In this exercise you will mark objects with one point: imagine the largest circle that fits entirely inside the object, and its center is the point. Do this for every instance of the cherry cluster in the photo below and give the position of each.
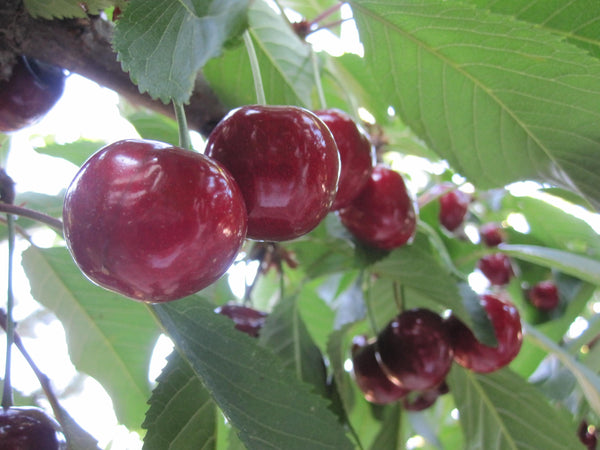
(497, 267)
(410, 358)
(156, 223)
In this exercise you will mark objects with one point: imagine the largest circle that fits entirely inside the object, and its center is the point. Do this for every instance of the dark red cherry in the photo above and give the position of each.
(383, 214)
(286, 162)
(544, 295)
(153, 222)
(414, 350)
(29, 428)
(418, 401)
(371, 380)
(31, 91)
(357, 154)
(246, 319)
(492, 234)
(472, 354)
(497, 268)
(587, 435)
(453, 208)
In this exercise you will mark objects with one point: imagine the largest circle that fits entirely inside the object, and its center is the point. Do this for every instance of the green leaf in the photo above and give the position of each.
(574, 20)
(163, 44)
(182, 414)
(414, 267)
(390, 434)
(586, 269)
(60, 9)
(553, 227)
(285, 333)
(502, 411)
(154, 126)
(269, 406)
(501, 100)
(110, 338)
(587, 379)
(76, 152)
(284, 62)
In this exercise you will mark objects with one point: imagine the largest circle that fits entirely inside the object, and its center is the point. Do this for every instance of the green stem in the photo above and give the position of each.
(318, 84)
(184, 132)
(7, 399)
(255, 67)
(399, 296)
(367, 297)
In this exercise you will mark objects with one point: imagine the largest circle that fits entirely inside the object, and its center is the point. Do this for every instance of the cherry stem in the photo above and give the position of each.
(255, 67)
(7, 397)
(329, 11)
(399, 296)
(184, 132)
(31, 214)
(367, 298)
(316, 73)
(42, 378)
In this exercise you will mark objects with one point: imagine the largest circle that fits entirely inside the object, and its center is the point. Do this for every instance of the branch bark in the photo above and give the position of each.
(83, 46)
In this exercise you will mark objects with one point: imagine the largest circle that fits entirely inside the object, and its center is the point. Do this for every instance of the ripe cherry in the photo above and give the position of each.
(544, 295)
(31, 91)
(453, 207)
(418, 401)
(286, 162)
(153, 222)
(492, 234)
(357, 154)
(246, 319)
(383, 214)
(29, 428)
(370, 378)
(497, 268)
(472, 354)
(414, 350)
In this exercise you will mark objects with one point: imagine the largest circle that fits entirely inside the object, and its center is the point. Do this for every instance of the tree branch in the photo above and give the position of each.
(83, 46)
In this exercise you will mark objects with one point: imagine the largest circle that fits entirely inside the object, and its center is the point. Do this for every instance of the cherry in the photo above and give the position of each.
(246, 319)
(153, 222)
(370, 378)
(357, 154)
(286, 162)
(472, 354)
(497, 268)
(587, 435)
(383, 214)
(453, 207)
(425, 399)
(544, 295)
(29, 428)
(31, 91)
(414, 350)
(492, 234)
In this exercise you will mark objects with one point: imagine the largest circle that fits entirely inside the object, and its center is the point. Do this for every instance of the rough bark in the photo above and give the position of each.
(83, 46)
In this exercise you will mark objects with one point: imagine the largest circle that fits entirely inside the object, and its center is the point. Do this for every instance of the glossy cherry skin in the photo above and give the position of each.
(370, 378)
(472, 354)
(29, 428)
(153, 222)
(286, 162)
(492, 234)
(246, 319)
(383, 214)
(357, 154)
(544, 295)
(414, 350)
(497, 268)
(31, 91)
(453, 209)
